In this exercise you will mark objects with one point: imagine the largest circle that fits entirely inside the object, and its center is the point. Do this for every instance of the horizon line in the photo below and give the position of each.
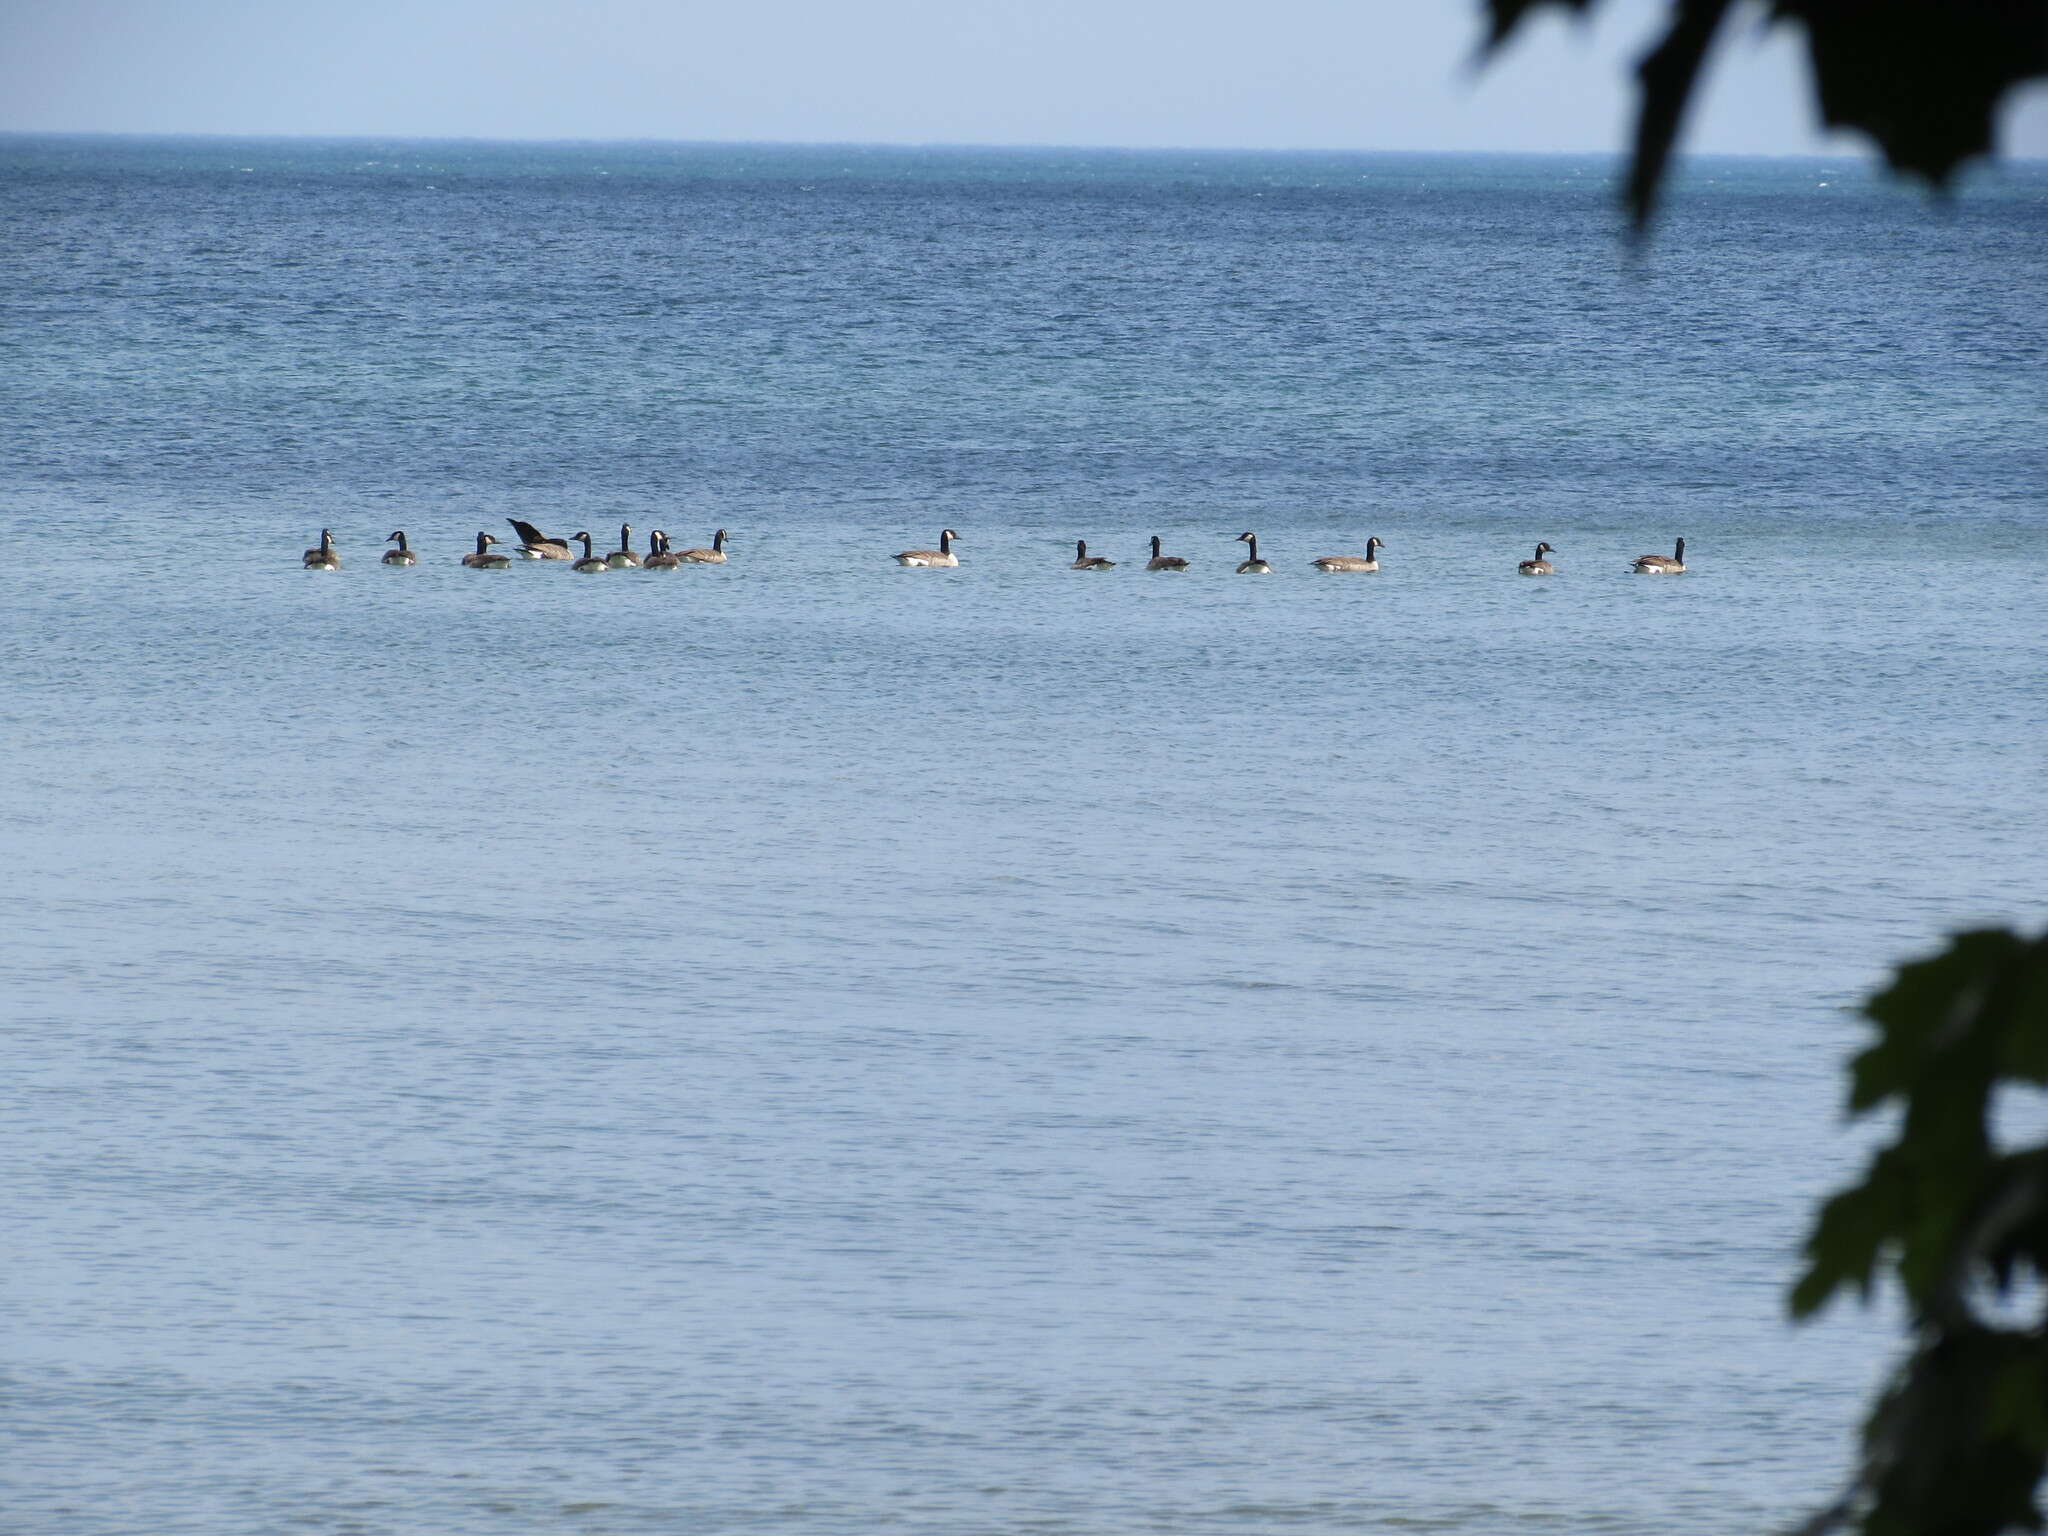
(1865, 153)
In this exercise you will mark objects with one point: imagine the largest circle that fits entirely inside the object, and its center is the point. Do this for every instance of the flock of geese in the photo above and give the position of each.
(535, 545)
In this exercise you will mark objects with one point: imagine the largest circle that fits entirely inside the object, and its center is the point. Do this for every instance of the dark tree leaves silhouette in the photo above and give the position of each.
(1924, 78)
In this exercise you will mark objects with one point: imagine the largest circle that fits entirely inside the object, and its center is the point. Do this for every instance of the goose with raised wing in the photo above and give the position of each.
(535, 545)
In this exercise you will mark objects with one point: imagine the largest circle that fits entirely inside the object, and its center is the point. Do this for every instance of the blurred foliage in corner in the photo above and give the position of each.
(1957, 1441)
(1922, 77)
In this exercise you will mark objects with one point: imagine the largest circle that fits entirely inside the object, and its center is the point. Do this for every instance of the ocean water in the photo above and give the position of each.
(807, 1046)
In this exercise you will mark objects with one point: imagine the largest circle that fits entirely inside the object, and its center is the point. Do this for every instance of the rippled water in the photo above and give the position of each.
(814, 1047)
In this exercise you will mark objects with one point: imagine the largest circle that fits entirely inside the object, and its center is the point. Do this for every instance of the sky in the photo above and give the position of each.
(1324, 74)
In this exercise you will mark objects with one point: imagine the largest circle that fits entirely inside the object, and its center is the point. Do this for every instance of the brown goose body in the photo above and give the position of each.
(484, 558)
(324, 557)
(535, 545)
(1539, 566)
(1672, 564)
(943, 555)
(402, 555)
(1369, 561)
(715, 555)
(1160, 562)
(659, 556)
(1083, 561)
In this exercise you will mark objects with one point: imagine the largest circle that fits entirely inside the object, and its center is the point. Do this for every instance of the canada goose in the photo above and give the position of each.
(589, 562)
(715, 555)
(402, 555)
(623, 558)
(1539, 566)
(1672, 564)
(484, 559)
(1253, 565)
(535, 545)
(1369, 561)
(1083, 561)
(659, 556)
(1160, 562)
(943, 555)
(326, 557)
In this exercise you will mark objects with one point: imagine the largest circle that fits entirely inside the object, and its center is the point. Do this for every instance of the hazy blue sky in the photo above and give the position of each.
(1367, 74)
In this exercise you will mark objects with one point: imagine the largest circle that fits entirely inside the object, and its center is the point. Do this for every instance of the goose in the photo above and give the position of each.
(1369, 561)
(943, 555)
(1253, 565)
(659, 556)
(535, 545)
(589, 562)
(1083, 561)
(326, 557)
(1160, 562)
(484, 559)
(715, 555)
(1539, 566)
(1672, 564)
(402, 555)
(623, 558)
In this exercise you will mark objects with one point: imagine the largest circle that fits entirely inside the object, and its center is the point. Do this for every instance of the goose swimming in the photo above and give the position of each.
(1083, 561)
(1160, 562)
(1369, 561)
(485, 558)
(715, 555)
(623, 558)
(943, 555)
(659, 556)
(1672, 564)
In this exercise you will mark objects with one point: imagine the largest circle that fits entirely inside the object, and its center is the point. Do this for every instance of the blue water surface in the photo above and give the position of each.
(807, 1046)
